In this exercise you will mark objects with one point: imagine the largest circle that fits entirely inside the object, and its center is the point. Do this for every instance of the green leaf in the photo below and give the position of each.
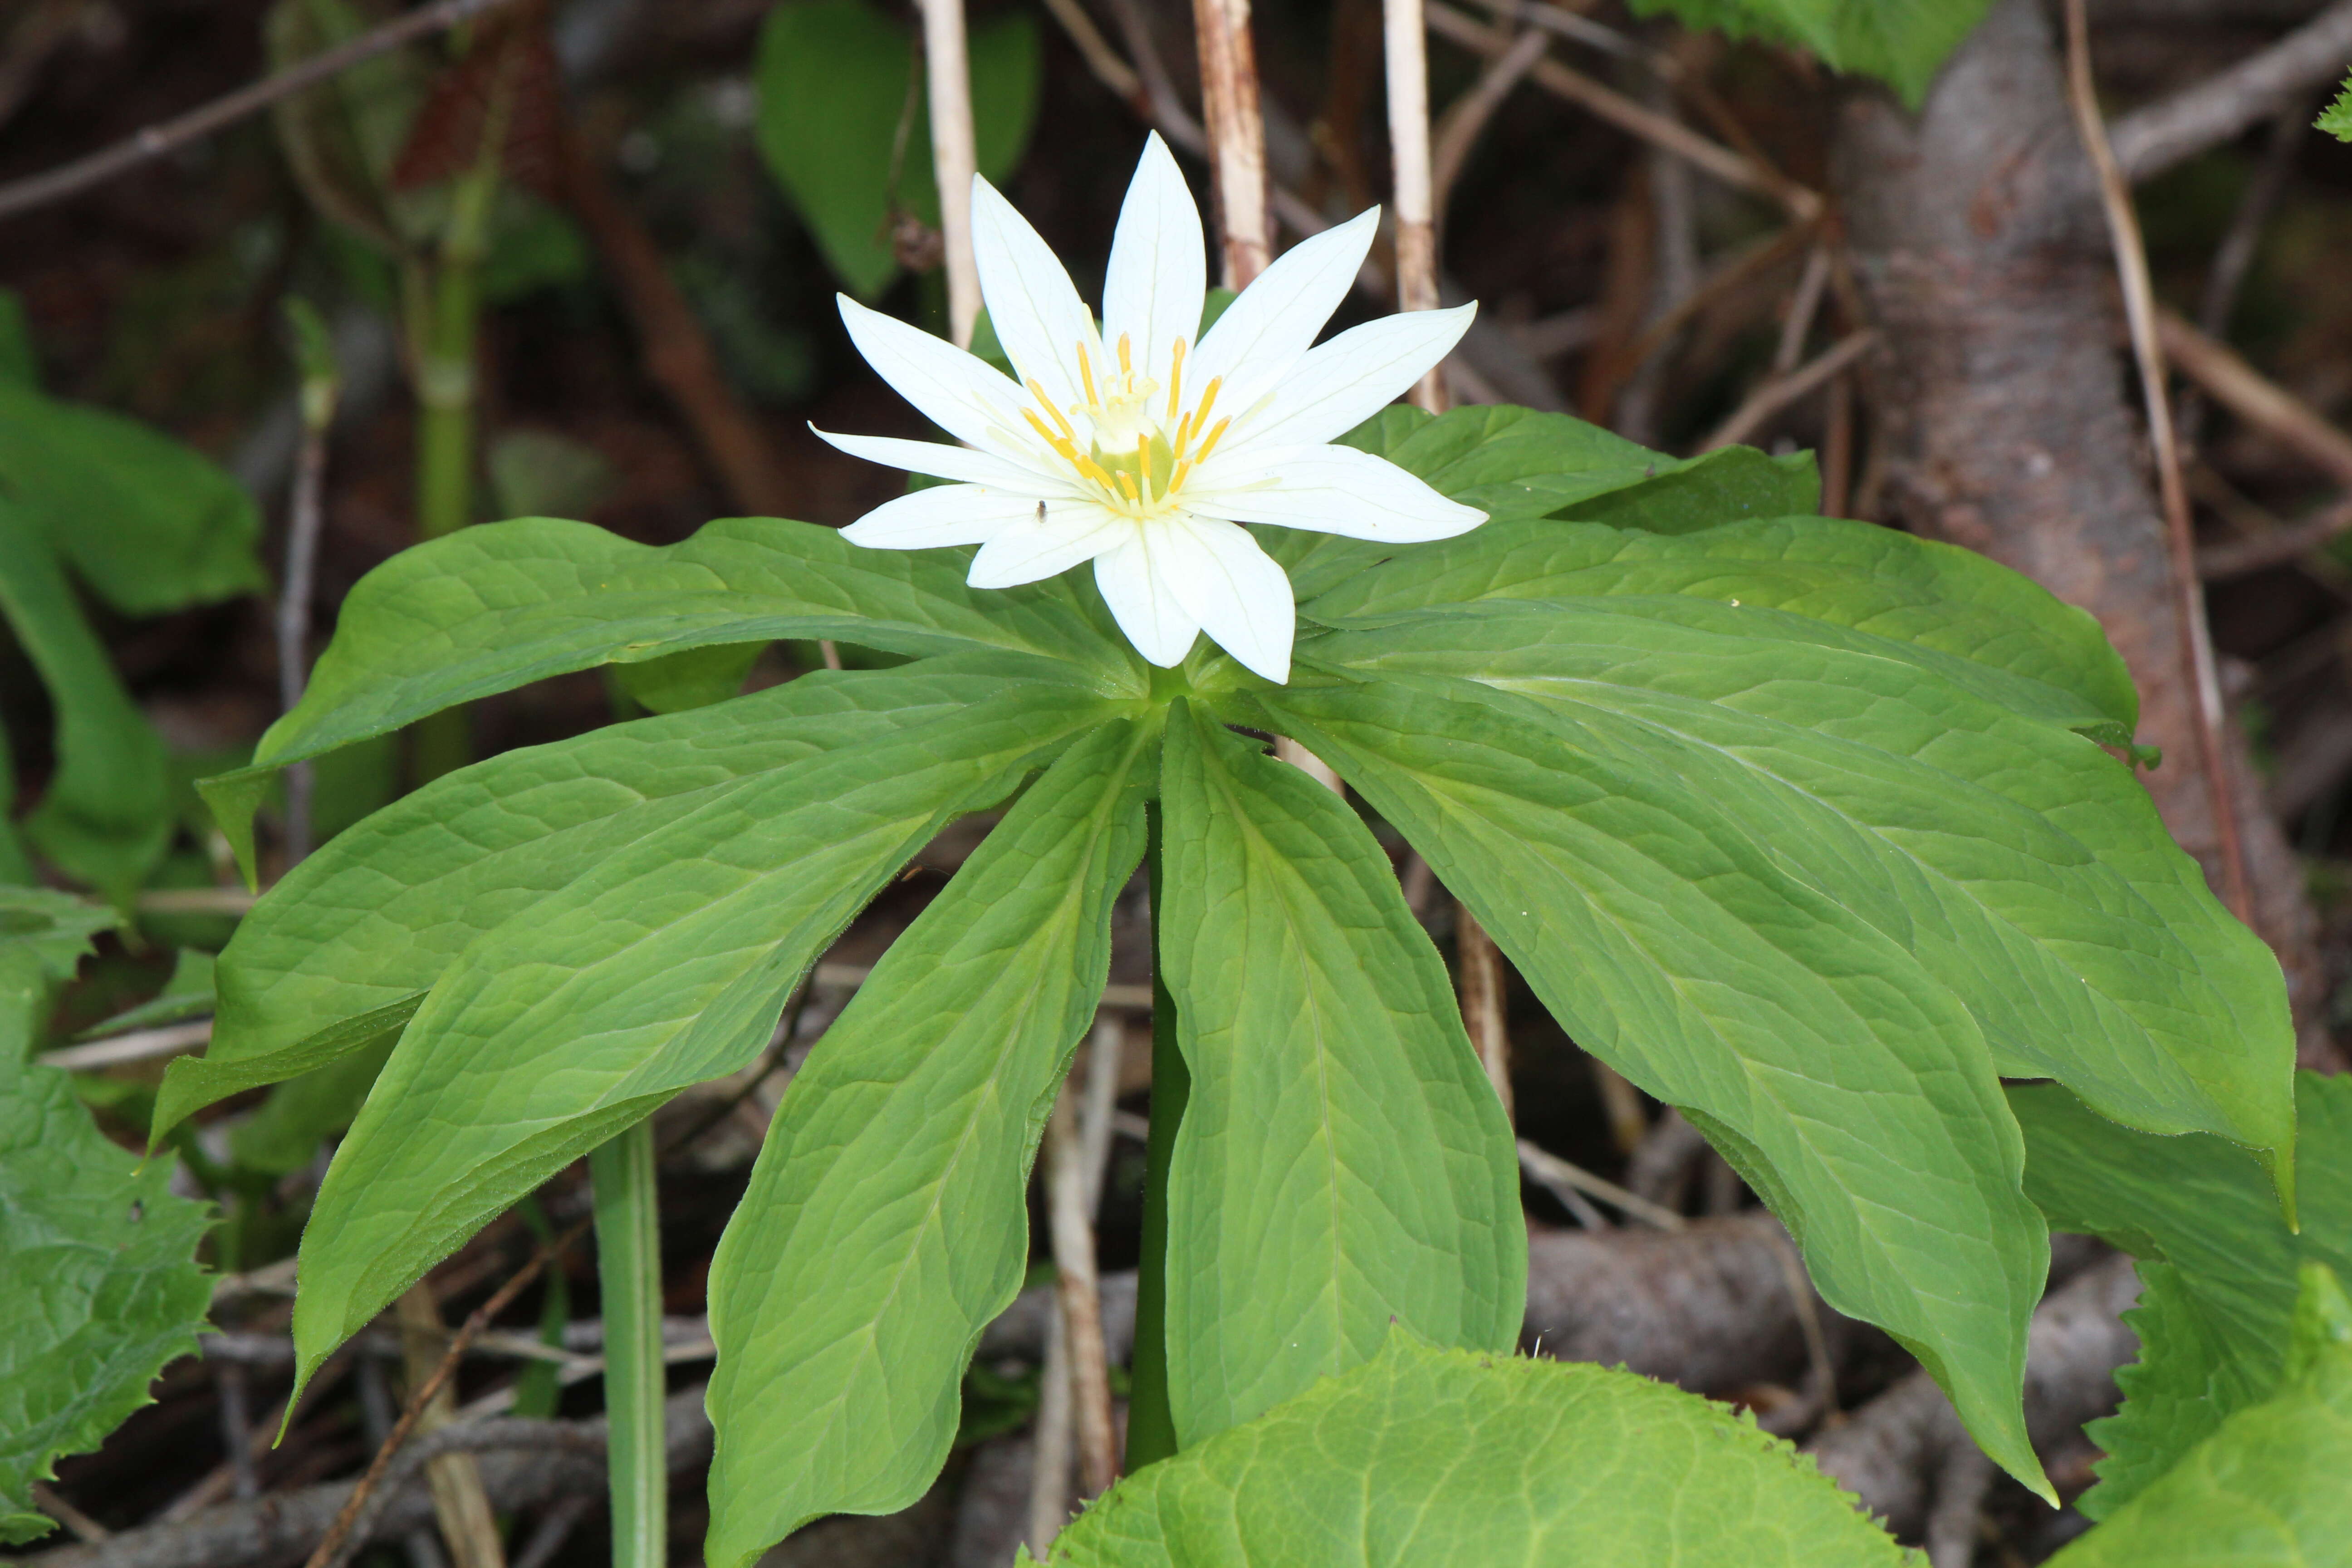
(1447, 1459)
(1902, 42)
(695, 678)
(284, 1135)
(149, 525)
(491, 607)
(1343, 1164)
(835, 78)
(107, 816)
(2336, 118)
(55, 928)
(886, 1223)
(98, 1256)
(2026, 873)
(661, 964)
(1731, 484)
(187, 994)
(2268, 1485)
(1974, 620)
(1853, 1091)
(2217, 1259)
(373, 917)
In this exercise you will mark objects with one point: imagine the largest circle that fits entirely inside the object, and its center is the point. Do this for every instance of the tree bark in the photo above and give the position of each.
(1976, 236)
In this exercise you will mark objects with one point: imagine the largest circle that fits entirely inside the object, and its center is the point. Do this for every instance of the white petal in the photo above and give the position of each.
(942, 514)
(1035, 547)
(1330, 490)
(960, 392)
(1236, 591)
(1265, 331)
(1036, 310)
(1158, 269)
(1342, 383)
(942, 461)
(1140, 602)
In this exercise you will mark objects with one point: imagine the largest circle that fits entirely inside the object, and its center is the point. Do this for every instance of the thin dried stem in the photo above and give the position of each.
(954, 156)
(1458, 130)
(1236, 127)
(459, 1502)
(154, 142)
(1783, 390)
(2254, 397)
(1803, 308)
(1405, 34)
(1483, 999)
(332, 1551)
(2140, 310)
(1080, 1293)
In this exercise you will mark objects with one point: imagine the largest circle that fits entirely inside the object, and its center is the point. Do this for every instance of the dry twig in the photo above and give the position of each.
(2139, 310)
(1236, 130)
(2149, 140)
(955, 156)
(154, 141)
(1466, 117)
(2254, 397)
(1783, 390)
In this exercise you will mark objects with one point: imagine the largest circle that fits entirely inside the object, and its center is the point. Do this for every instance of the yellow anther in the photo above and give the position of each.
(1046, 402)
(1094, 470)
(1210, 445)
(1208, 401)
(1126, 360)
(1127, 485)
(1068, 449)
(1086, 374)
(1176, 378)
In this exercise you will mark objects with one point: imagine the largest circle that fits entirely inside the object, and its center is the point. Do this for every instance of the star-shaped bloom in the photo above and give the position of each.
(1135, 448)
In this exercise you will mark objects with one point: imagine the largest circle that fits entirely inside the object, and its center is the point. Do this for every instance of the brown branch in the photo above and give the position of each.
(2245, 557)
(332, 1549)
(2140, 310)
(1229, 103)
(2149, 140)
(155, 141)
(2254, 397)
(1482, 1000)
(1783, 390)
(1457, 131)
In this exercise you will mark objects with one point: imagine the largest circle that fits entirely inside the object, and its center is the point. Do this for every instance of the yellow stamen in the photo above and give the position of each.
(1210, 445)
(1066, 447)
(1208, 401)
(1093, 471)
(1176, 379)
(1127, 485)
(1126, 360)
(1046, 402)
(1086, 374)
(1143, 462)
(1183, 434)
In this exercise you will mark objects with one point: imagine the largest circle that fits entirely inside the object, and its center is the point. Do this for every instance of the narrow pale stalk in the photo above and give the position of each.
(2140, 310)
(628, 1277)
(1080, 1293)
(1482, 1000)
(1416, 220)
(1236, 127)
(304, 522)
(460, 1503)
(1150, 1423)
(954, 158)
(1049, 1441)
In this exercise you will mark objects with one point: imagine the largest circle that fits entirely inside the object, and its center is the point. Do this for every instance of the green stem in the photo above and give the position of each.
(1150, 1423)
(628, 1274)
(446, 406)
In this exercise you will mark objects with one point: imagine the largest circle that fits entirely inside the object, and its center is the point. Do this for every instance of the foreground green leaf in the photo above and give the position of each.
(885, 1224)
(98, 1255)
(1430, 1458)
(1343, 1164)
(2024, 871)
(2216, 1260)
(2268, 1487)
(1853, 1091)
(489, 608)
(368, 924)
(1902, 42)
(662, 964)
(1971, 619)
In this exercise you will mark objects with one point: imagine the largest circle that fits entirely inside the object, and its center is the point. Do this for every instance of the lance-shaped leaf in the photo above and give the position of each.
(663, 964)
(106, 814)
(373, 919)
(99, 1283)
(1935, 598)
(886, 1223)
(2267, 1489)
(2217, 1261)
(491, 607)
(2017, 862)
(1428, 1458)
(1852, 1090)
(1343, 1164)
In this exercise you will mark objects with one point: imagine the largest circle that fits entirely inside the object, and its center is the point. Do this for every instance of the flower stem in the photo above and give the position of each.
(1151, 1422)
(628, 1274)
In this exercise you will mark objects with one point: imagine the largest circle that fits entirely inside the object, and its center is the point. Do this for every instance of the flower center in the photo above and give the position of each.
(1140, 448)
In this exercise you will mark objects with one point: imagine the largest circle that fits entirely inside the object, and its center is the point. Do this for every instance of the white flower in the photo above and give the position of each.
(1147, 454)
